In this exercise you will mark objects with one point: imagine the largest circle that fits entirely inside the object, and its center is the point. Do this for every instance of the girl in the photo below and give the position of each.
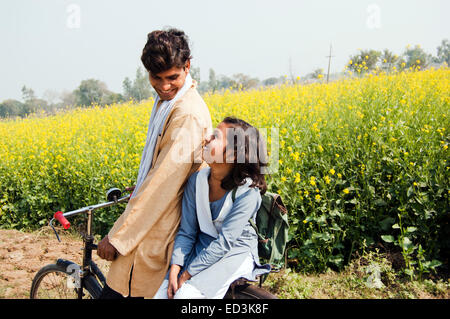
(216, 244)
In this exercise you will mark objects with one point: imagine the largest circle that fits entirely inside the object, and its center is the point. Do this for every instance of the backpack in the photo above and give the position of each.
(271, 227)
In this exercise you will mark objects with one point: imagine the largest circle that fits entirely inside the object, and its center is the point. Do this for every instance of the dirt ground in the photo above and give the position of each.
(23, 254)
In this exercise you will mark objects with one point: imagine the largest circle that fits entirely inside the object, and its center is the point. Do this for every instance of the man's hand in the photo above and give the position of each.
(105, 250)
(173, 280)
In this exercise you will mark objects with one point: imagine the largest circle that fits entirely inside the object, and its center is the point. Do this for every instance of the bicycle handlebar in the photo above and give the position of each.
(60, 217)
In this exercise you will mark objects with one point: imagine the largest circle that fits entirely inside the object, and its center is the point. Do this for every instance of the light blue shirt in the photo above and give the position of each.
(197, 251)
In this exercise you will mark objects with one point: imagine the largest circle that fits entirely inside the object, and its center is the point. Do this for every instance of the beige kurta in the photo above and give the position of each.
(145, 232)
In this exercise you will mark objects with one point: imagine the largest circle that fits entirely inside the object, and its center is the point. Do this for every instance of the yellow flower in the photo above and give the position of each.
(332, 171)
(312, 181)
(283, 179)
(317, 197)
(320, 148)
(346, 191)
(327, 179)
(339, 175)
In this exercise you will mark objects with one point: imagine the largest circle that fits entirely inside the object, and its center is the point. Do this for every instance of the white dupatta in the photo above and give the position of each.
(155, 127)
(207, 225)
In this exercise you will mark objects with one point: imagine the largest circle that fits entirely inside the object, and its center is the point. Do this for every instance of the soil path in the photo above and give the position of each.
(23, 254)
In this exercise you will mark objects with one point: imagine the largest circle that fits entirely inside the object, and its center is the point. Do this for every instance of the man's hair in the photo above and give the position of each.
(254, 153)
(165, 49)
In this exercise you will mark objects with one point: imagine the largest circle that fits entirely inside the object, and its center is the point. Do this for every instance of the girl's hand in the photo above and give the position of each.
(173, 281)
(184, 277)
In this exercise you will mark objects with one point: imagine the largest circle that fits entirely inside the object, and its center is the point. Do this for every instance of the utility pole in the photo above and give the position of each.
(290, 71)
(329, 62)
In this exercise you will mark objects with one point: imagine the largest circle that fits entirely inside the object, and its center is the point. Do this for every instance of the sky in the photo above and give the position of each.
(52, 45)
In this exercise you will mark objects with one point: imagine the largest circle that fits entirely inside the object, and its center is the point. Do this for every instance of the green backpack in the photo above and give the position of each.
(271, 227)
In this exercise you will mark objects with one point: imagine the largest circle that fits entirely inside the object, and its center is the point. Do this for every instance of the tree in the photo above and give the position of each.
(68, 98)
(224, 82)
(138, 90)
(317, 74)
(443, 52)
(111, 98)
(127, 86)
(142, 86)
(272, 81)
(31, 102)
(244, 82)
(27, 94)
(365, 61)
(416, 57)
(195, 74)
(213, 84)
(89, 92)
(10, 108)
(388, 60)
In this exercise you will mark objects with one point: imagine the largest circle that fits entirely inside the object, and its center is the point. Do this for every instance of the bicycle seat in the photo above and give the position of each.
(241, 289)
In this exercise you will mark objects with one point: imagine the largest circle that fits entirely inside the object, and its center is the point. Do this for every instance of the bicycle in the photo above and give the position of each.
(68, 280)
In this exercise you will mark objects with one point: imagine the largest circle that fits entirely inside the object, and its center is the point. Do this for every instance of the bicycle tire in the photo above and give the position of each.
(61, 291)
(248, 291)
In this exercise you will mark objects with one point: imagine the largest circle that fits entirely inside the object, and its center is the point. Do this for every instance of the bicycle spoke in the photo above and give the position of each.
(54, 285)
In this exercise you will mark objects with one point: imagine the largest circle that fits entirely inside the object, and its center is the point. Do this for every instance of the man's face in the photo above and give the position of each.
(167, 83)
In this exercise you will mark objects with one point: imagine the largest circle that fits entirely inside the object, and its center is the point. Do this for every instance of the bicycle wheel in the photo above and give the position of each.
(55, 282)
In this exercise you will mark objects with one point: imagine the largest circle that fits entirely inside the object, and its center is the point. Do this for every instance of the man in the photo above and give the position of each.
(141, 241)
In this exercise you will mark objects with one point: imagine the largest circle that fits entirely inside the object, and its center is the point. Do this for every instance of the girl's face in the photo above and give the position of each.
(215, 145)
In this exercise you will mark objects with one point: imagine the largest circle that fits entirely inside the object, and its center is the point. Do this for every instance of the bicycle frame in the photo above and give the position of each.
(89, 275)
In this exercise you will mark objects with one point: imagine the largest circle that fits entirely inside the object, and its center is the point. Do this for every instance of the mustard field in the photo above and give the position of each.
(362, 162)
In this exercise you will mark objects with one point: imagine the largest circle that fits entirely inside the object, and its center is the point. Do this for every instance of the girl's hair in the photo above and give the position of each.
(165, 49)
(249, 158)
